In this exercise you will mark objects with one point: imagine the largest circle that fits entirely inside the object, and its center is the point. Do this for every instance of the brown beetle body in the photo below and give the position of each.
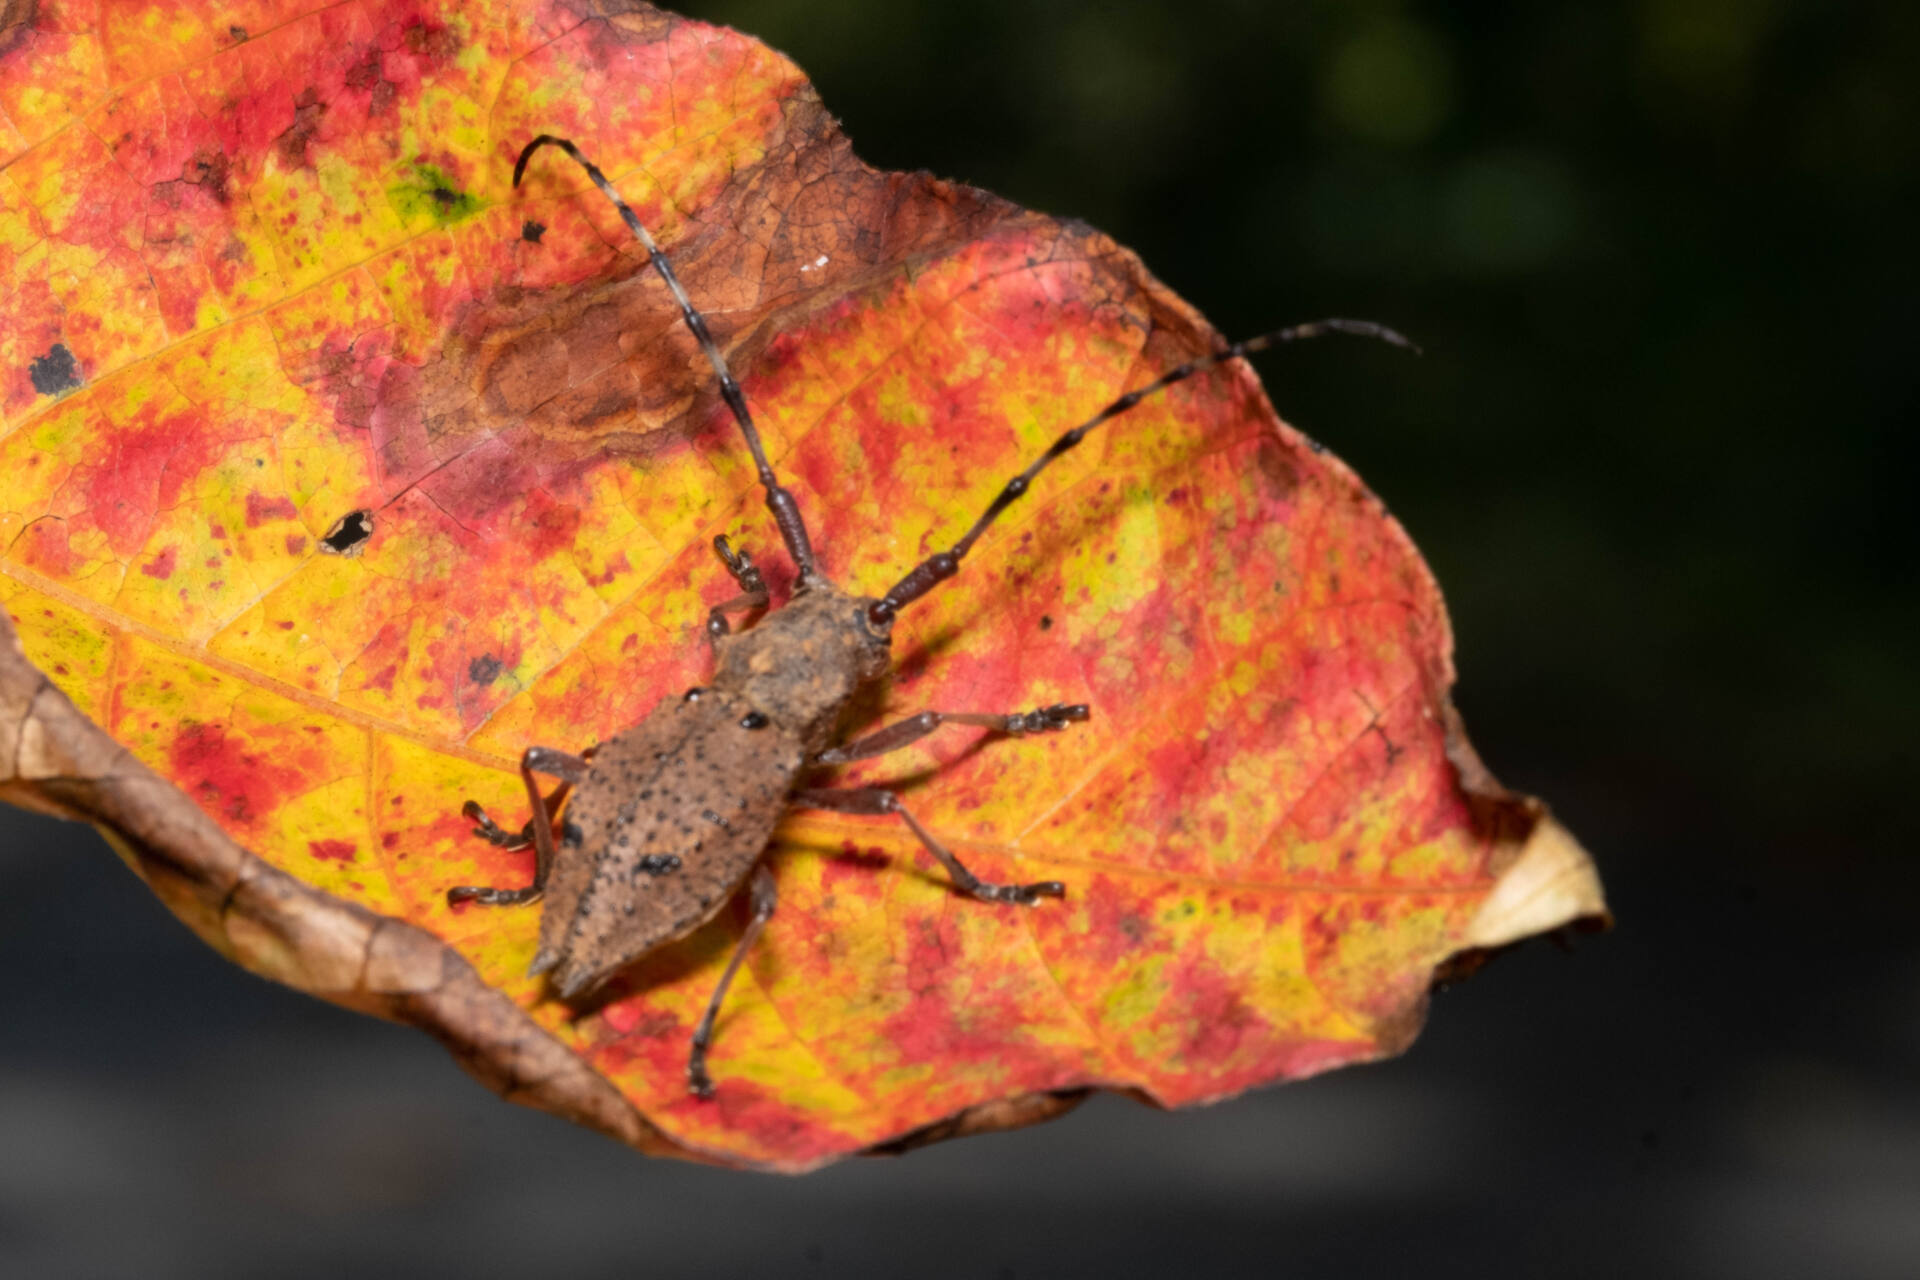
(670, 817)
(673, 814)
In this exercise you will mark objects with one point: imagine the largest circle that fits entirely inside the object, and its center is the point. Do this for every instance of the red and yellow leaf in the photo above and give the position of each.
(263, 275)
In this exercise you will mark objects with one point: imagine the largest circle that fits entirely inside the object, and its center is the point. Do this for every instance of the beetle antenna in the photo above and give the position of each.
(941, 565)
(786, 512)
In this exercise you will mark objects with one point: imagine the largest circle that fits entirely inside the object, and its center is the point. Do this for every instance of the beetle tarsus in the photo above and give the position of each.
(489, 897)
(492, 832)
(699, 1083)
(1024, 894)
(1049, 719)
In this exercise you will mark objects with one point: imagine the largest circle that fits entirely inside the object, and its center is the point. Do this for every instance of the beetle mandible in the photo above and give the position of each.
(665, 820)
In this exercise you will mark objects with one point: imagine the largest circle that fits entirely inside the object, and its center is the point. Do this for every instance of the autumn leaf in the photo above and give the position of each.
(337, 472)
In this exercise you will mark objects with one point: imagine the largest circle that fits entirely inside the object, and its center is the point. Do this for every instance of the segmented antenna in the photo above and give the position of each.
(941, 565)
(786, 512)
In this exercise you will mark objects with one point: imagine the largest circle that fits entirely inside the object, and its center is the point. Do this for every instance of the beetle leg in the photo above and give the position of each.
(571, 770)
(765, 896)
(913, 728)
(753, 587)
(493, 833)
(879, 800)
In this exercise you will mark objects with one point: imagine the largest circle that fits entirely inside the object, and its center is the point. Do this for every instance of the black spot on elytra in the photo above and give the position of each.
(484, 670)
(531, 231)
(659, 864)
(54, 372)
(571, 835)
(349, 533)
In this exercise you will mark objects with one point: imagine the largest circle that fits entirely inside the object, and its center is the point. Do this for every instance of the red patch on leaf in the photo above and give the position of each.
(261, 509)
(332, 850)
(238, 785)
(162, 565)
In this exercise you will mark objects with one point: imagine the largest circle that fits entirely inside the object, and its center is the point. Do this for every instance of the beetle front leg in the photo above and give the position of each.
(571, 770)
(765, 897)
(877, 800)
(753, 588)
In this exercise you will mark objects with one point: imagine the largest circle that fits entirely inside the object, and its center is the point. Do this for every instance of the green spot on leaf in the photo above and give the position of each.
(429, 194)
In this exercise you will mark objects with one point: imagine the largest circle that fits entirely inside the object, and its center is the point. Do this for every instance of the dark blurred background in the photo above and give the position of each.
(1661, 257)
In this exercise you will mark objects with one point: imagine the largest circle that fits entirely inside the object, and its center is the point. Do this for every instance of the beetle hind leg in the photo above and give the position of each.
(765, 897)
(878, 800)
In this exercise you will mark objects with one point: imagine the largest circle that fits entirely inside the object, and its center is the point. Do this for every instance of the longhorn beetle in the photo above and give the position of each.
(667, 818)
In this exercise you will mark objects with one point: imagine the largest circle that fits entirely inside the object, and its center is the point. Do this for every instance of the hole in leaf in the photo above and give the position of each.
(349, 534)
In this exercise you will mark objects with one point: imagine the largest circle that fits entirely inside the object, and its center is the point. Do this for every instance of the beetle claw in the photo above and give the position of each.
(699, 1083)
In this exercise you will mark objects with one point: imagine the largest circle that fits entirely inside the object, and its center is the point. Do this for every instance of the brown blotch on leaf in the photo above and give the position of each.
(16, 23)
(607, 369)
(1277, 465)
(292, 144)
(365, 73)
(209, 170)
(432, 39)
